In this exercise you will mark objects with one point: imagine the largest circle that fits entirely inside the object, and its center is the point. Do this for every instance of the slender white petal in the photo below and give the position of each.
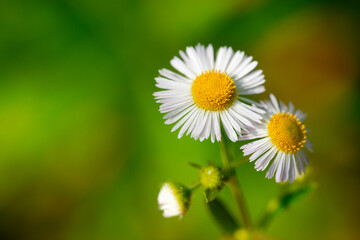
(274, 103)
(240, 68)
(260, 151)
(220, 58)
(235, 61)
(228, 128)
(293, 169)
(291, 108)
(179, 115)
(308, 145)
(273, 167)
(181, 67)
(280, 168)
(207, 128)
(210, 55)
(264, 160)
(173, 76)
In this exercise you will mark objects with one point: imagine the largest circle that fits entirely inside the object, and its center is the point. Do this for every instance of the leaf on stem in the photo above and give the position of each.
(222, 216)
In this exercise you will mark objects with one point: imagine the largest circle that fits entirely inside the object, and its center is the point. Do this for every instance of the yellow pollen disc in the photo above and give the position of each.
(214, 91)
(286, 132)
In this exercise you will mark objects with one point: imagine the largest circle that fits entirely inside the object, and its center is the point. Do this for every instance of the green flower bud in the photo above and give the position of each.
(211, 177)
(174, 199)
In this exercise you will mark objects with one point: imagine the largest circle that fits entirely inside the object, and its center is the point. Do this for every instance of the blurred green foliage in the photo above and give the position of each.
(83, 148)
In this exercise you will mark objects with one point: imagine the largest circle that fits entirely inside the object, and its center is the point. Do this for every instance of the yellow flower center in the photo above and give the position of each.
(286, 132)
(214, 91)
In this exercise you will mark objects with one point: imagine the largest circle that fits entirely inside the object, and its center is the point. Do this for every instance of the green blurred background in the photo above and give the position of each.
(83, 148)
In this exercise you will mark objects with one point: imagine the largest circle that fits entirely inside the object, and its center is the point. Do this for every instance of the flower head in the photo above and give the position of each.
(206, 92)
(174, 199)
(282, 137)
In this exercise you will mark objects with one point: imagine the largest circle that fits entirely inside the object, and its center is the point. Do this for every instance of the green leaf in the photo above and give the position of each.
(222, 216)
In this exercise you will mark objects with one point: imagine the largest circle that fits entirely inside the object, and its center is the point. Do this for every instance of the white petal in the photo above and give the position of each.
(281, 166)
(186, 117)
(286, 169)
(189, 123)
(274, 102)
(308, 145)
(293, 169)
(210, 55)
(238, 70)
(246, 70)
(265, 159)
(220, 57)
(216, 126)
(237, 111)
(255, 145)
(200, 124)
(256, 90)
(165, 83)
(304, 157)
(260, 151)
(300, 115)
(291, 108)
(233, 122)
(299, 163)
(178, 115)
(273, 167)
(235, 61)
(201, 52)
(226, 59)
(173, 76)
(195, 60)
(207, 128)
(228, 128)
(182, 67)
(283, 107)
(166, 107)
(172, 94)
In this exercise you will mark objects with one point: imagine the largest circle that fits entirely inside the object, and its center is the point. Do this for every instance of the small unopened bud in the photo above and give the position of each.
(174, 199)
(211, 177)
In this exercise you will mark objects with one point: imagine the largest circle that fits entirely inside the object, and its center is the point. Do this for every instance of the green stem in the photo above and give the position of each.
(236, 189)
(233, 182)
(194, 188)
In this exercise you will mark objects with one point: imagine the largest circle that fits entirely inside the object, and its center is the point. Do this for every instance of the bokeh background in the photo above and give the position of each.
(83, 148)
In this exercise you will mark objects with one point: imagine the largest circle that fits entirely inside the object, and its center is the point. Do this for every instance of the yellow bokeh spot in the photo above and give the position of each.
(214, 91)
(286, 132)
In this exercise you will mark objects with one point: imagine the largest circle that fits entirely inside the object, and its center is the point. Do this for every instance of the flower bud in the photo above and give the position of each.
(211, 177)
(174, 199)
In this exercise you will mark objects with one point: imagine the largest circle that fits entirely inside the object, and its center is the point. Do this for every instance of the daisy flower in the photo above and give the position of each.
(205, 92)
(174, 199)
(282, 137)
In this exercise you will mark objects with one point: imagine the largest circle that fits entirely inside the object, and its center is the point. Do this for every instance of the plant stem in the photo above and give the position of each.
(194, 188)
(233, 183)
(236, 189)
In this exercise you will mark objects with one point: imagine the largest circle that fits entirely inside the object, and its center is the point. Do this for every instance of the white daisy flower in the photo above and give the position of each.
(206, 92)
(174, 199)
(281, 137)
